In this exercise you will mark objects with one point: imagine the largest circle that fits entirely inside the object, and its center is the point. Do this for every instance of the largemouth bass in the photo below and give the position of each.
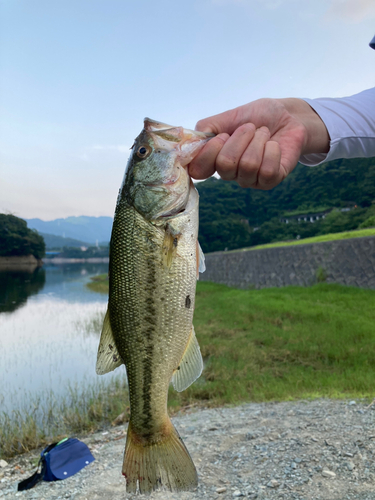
(154, 262)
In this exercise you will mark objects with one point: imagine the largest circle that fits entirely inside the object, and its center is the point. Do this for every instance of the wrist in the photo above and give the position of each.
(316, 136)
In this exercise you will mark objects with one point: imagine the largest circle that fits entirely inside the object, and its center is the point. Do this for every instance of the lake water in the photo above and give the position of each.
(49, 332)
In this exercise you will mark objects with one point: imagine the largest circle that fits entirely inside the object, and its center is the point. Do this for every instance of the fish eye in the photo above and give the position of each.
(143, 151)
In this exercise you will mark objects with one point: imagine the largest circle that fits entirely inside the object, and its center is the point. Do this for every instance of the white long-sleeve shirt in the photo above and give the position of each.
(350, 122)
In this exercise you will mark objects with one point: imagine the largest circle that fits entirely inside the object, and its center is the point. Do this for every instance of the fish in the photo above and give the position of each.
(155, 260)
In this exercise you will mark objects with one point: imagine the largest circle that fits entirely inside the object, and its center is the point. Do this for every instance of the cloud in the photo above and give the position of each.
(353, 11)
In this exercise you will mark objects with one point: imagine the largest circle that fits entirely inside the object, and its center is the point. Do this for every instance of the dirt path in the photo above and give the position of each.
(322, 450)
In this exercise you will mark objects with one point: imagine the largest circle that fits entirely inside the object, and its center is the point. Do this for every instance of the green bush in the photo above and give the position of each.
(370, 222)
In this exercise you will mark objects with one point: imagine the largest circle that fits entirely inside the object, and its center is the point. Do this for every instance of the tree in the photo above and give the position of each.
(17, 239)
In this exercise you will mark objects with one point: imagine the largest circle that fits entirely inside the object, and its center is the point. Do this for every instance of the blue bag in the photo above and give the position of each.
(59, 461)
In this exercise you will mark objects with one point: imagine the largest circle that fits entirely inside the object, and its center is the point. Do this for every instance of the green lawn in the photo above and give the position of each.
(359, 233)
(283, 343)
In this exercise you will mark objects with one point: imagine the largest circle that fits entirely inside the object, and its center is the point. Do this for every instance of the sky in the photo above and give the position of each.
(77, 77)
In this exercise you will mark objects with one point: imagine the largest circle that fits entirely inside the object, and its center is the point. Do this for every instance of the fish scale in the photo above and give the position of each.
(151, 332)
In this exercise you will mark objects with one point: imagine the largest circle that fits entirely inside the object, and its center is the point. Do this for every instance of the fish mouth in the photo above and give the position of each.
(176, 134)
(184, 141)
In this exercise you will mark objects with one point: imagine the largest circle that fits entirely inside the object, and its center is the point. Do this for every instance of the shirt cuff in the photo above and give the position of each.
(350, 122)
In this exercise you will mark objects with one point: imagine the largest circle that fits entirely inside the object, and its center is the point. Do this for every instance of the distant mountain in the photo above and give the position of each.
(84, 228)
(58, 242)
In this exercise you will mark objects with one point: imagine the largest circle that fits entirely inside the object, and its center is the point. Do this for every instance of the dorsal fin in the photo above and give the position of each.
(191, 365)
(108, 356)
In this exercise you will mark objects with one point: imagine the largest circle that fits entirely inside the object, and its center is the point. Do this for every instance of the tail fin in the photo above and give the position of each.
(164, 464)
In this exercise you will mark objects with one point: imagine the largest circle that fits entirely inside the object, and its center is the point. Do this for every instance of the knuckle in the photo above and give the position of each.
(201, 125)
(244, 183)
(226, 163)
(264, 131)
(268, 176)
(249, 165)
(218, 141)
(246, 128)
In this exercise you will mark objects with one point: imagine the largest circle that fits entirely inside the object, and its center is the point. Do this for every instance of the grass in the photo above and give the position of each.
(273, 344)
(98, 283)
(282, 343)
(40, 423)
(359, 233)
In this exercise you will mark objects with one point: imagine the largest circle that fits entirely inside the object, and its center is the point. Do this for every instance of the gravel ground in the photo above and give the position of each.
(305, 450)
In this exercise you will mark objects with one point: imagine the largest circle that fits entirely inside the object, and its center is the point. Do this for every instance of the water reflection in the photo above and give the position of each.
(50, 343)
(17, 286)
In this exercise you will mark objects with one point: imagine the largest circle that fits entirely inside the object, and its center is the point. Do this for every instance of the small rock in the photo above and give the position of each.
(350, 466)
(328, 473)
(237, 494)
(352, 403)
(250, 435)
(221, 490)
(274, 483)
(3, 463)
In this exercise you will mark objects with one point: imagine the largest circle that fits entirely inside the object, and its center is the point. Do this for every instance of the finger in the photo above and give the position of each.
(252, 158)
(228, 159)
(203, 165)
(271, 173)
(224, 122)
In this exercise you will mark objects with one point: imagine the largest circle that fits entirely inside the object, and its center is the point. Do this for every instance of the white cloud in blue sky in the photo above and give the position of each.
(353, 11)
(77, 78)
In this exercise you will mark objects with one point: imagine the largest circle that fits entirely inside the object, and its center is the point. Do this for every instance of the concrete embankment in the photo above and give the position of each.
(347, 262)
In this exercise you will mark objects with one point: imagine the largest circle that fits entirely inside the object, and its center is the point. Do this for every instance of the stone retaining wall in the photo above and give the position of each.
(348, 262)
(19, 262)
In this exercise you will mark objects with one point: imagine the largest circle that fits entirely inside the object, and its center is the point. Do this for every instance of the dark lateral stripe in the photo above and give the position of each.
(149, 340)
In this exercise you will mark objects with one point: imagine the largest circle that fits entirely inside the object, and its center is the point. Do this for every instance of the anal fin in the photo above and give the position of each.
(191, 365)
(108, 358)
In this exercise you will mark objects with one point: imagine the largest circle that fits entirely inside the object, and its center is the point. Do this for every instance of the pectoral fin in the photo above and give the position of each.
(170, 244)
(191, 365)
(108, 356)
(201, 265)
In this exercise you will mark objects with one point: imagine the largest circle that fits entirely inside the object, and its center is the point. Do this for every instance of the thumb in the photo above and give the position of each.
(224, 122)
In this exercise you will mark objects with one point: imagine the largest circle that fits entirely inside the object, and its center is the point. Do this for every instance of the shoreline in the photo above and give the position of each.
(92, 260)
(20, 262)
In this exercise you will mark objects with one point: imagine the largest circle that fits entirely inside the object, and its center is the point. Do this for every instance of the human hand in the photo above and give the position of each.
(259, 144)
